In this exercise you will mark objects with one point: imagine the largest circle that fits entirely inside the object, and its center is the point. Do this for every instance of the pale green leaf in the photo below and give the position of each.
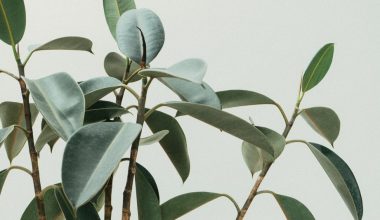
(65, 43)
(4, 133)
(154, 138)
(48, 135)
(12, 21)
(113, 9)
(116, 66)
(236, 98)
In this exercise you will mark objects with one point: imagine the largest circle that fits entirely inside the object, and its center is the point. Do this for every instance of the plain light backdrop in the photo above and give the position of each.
(259, 45)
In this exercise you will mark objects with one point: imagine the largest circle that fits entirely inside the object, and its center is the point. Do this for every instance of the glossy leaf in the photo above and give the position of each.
(236, 98)
(102, 111)
(13, 18)
(180, 205)
(113, 9)
(140, 35)
(191, 70)
(3, 177)
(225, 122)
(154, 138)
(12, 113)
(292, 208)
(91, 156)
(116, 65)
(174, 143)
(60, 101)
(324, 121)
(318, 67)
(96, 88)
(65, 43)
(5, 132)
(342, 178)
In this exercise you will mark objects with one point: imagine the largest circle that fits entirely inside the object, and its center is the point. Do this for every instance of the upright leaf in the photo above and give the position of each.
(12, 21)
(324, 121)
(113, 9)
(236, 98)
(140, 35)
(318, 67)
(12, 113)
(3, 177)
(174, 143)
(91, 155)
(342, 178)
(65, 43)
(116, 66)
(61, 102)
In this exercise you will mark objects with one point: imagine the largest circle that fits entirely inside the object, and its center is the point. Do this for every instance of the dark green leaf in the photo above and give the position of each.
(236, 98)
(324, 121)
(318, 67)
(12, 21)
(60, 101)
(3, 177)
(87, 212)
(140, 35)
(113, 9)
(12, 113)
(91, 156)
(47, 136)
(342, 178)
(116, 65)
(154, 138)
(102, 111)
(174, 143)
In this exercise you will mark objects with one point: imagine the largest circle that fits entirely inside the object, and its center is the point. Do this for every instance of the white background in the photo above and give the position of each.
(262, 46)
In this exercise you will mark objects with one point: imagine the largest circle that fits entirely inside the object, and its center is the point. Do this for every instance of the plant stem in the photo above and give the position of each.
(22, 169)
(267, 166)
(32, 150)
(126, 214)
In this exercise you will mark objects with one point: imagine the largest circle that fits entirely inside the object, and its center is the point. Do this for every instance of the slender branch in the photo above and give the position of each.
(22, 169)
(133, 156)
(131, 106)
(129, 89)
(148, 113)
(296, 141)
(282, 113)
(131, 76)
(9, 74)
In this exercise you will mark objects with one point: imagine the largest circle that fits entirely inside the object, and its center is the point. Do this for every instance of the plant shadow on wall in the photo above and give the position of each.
(97, 139)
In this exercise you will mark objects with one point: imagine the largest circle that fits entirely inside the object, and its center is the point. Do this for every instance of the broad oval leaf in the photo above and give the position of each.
(154, 138)
(102, 111)
(4, 133)
(190, 69)
(3, 177)
(140, 35)
(65, 43)
(113, 9)
(96, 88)
(91, 155)
(180, 205)
(60, 101)
(225, 122)
(12, 113)
(174, 143)
(236, 98)
(342, 178)
(12, 21)
(116, 66)
(318, 67)
(324, 121)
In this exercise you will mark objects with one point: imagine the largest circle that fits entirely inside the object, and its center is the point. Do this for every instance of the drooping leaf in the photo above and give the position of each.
(65, 43)
(292, 208)
(116, 65)
(342, 178)
(3, 177)
(154, 138)
(4, 133)
(48, 135)
(318, 67)
(52, 209)
(225, 122)
(324, 121)
(12, 21)
(140, 35)
(96, 88)
(174, 143)
(236, 98)
(60, 101)
(12, 113)
(113, 9)
(190, 69)
(102, 111)
(181, 205)
(255, 158)
(91, 155)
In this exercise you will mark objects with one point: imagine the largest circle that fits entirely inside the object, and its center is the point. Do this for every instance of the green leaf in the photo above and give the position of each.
(225, 122)
(4, 133)
(236, 98)
(140, 35)
(48, 135)
(192, 70)
(12, 113)
(255, 158)
(180, 205)
(318, 67)
(65, 43)
(324, 121)
(60, 101)
(174, 143)
(342, 178)
(113, 9)
(156, 137)
(102, 111)
(116, 65)
(292, 208)
(96, 88)
(148, 200)
(12, 21)
(87, 212)
(52, 209)
(91, 156)
(3, 177)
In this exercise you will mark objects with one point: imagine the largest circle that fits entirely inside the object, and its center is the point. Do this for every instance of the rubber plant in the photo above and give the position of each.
(97, 137)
